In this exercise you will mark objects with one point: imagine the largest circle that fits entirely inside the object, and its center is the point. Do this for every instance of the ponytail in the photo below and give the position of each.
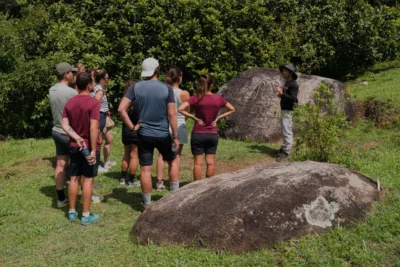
(205, 84)
(173, 76)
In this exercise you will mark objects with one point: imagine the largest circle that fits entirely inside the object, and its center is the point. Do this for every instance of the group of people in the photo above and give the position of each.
(154, 114)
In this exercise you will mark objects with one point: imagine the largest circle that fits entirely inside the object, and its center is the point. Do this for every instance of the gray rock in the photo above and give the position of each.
(257, 106)
(257, 207)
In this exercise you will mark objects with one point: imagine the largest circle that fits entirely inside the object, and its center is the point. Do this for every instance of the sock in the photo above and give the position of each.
(72, 211)
(174, 186)
(147, 199)
(86, 214)
(123, 174)
(61, 195)
(131, 177)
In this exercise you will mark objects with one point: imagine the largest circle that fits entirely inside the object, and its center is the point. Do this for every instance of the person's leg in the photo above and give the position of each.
(146, 151)
(198, 166)
(87, 191)
(73, 190)
(125, 163)
(133, 163)
(287, 133)
(107, 147)
(88, 172)
(210, 161)
(160, 168)
(59, 176)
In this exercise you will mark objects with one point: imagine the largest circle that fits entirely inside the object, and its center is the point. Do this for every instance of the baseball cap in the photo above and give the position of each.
(64, 67)
(149, 65)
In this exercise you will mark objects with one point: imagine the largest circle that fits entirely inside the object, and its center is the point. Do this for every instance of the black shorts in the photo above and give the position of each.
(80, 166)
(129, 137)
(146, 145)
(102, 122)
(61, 141)
(201, 143)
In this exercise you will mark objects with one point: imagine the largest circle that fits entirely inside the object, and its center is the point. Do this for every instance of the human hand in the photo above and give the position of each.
(279, 91)
(199, 121)
(214, 123)
(81, 143)
(137, 126)
(176, 143)
(92, 157)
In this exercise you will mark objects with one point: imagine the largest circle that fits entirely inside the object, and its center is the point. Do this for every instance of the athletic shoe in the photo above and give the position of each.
(62, 204)
(133, 183)
(122, 181)
(282, 157)
(109, 164)
(101, 170)
(160, 186)
(89, 220)
(95, 199)
(72, 216)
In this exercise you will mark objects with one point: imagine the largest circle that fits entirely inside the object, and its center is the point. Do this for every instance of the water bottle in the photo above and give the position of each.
(86, 153)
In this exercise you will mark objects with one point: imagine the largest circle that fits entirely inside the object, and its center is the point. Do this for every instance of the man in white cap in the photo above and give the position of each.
(156, 108)
(59, 94)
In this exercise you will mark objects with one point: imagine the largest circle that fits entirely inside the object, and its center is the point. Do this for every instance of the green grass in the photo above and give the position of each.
(33, 232)
(383, 83)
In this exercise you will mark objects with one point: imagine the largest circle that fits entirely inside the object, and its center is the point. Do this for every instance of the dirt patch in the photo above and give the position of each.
(373, 143)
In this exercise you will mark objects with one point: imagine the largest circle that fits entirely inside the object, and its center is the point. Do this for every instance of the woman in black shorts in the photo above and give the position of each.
(129, 139)
(204, 139)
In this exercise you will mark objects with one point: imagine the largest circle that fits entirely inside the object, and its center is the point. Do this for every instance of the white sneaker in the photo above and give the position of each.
(101, 170)
(109, 164)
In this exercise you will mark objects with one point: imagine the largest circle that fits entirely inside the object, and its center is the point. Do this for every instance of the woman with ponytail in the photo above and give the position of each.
(174, 79)
(204, 138)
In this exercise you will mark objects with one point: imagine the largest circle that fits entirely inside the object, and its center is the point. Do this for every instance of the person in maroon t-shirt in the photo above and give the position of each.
(204, 139)
(81, 122)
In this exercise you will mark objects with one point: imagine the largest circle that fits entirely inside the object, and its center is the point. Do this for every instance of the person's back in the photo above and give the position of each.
(59, 94)
(207, 110)
(152, 98)
(79, 110)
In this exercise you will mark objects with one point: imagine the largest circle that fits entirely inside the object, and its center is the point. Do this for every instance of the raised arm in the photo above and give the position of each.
(184, 109)
(294, 90)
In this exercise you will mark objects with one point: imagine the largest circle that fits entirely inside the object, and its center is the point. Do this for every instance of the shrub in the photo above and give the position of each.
(320, 126)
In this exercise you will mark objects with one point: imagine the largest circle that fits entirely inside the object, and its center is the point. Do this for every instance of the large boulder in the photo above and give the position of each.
(257, 106)
(257, 207)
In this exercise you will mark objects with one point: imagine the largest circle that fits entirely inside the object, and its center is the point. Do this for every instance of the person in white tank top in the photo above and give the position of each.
(174, 79)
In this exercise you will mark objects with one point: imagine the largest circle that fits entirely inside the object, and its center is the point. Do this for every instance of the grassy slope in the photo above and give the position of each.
(34, 232)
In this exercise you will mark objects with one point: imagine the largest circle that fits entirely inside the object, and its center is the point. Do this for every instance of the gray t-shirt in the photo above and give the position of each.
(104, 102)
(59, 95)
(152, 98)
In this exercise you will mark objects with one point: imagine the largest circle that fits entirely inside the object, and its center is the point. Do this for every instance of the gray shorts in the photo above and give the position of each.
(62, 143)
(182, 134)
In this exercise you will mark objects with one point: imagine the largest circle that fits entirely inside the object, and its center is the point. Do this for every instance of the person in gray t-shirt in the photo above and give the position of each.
(59, 94)
(156, 108)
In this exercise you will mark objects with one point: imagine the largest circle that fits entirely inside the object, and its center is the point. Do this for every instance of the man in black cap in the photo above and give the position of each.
(288, 96)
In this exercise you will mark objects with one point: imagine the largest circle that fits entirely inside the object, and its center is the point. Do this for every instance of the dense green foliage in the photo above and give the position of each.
(220, 37)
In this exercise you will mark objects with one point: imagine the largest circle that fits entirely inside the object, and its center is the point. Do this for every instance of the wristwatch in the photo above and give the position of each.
(175, 137)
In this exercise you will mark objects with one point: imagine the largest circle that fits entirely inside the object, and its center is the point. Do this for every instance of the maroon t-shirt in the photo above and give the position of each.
(80, 110)
(207, 110)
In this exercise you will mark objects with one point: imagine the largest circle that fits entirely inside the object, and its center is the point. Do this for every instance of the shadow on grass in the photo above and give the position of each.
(272, 152)
(132, 199)
(50, 192)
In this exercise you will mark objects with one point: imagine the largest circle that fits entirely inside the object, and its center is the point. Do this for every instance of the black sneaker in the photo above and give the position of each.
(282, 157)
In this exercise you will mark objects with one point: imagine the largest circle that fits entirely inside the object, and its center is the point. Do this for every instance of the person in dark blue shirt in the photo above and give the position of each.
(156, 108)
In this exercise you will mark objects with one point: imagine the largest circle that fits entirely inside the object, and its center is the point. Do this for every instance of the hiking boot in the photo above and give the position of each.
(133, 183)
(62, 204)
(145, 207)
(95, 199)
(282, 157)
(89, 220)
(101, 170)
(72, 216)
(109, 164)
(160, 186)
(122, 181)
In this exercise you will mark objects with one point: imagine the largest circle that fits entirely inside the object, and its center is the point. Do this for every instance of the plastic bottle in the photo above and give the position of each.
(86, 153)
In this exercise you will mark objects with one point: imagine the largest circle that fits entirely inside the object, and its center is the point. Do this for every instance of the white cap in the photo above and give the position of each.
(149, 65)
